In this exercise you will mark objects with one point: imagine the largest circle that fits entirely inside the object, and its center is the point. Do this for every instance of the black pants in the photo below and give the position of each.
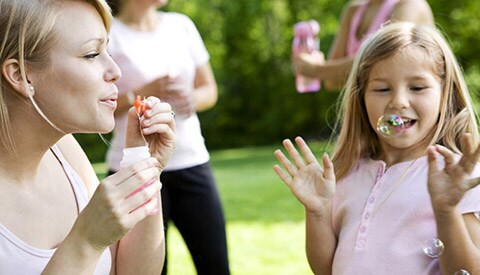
(190, 200)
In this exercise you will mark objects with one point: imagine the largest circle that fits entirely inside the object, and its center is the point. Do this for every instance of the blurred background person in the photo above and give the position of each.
(162, 54)
(358, 20)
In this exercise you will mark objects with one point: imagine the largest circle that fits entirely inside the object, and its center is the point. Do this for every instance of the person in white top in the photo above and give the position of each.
(57, 79)
(162, 54)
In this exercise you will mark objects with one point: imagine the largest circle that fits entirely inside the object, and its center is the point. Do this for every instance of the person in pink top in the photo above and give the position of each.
(403, 201)
(358, 20)
(58, 79)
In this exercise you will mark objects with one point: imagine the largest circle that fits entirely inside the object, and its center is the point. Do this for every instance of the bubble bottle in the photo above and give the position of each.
(306, 40)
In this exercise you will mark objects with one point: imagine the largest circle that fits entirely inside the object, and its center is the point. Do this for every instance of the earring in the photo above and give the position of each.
(31, 91)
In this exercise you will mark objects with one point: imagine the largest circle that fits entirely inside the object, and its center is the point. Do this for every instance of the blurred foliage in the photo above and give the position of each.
(250, 45)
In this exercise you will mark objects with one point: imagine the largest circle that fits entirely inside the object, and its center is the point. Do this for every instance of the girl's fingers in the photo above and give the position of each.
(307, 153)
(292, 151)
(470, 154)
(282, 175)
(328, 172)
(291, 169)
(472, 183)
(448, 156)
(432, 160)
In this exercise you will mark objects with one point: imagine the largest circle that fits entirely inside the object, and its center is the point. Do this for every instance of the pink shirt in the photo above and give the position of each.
(18, 257)
(378, 236)
(382, 16)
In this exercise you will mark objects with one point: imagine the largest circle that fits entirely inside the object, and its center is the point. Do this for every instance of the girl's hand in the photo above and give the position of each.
(313, 186)
(119, 203)
(448, 186)
(155, 122)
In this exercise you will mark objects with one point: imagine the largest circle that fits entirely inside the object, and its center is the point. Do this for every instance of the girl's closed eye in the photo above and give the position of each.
(418, 88)
(381, 89)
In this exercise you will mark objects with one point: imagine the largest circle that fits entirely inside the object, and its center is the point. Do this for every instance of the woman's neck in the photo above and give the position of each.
(33, 137)
(139, 18)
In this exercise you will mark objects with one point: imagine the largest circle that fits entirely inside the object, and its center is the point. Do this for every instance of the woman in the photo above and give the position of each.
(58, 79)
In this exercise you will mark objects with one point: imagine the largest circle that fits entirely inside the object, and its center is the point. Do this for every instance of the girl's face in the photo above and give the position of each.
(76, 90)
(406, 86)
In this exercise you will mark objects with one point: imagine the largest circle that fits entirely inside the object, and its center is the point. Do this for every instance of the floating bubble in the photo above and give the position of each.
(477, 215)
(433, 247)
(390, 125)
(461, 272)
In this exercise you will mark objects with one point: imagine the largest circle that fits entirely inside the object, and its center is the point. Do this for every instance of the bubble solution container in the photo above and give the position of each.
(306, 41)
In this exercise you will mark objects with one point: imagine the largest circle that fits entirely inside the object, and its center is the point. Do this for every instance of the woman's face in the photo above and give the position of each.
(76, 90)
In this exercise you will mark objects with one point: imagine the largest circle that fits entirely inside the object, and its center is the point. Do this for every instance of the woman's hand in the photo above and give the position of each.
(119, 203)
(313, 186)
(308, 64)
(156, 124)
(448, 186)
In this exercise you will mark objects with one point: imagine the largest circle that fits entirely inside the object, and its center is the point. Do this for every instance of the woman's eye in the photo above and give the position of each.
(91, 56)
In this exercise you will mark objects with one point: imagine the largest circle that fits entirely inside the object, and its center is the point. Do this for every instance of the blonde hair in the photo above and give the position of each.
(358, 139)
(26, 30)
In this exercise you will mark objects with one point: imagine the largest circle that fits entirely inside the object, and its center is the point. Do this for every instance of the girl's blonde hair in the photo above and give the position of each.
(26, 33)
(357, 138)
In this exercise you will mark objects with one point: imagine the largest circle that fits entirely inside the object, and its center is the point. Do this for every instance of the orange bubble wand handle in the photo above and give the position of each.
(139, 105)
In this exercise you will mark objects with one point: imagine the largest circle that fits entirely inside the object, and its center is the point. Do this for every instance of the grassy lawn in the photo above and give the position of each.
(265, 222)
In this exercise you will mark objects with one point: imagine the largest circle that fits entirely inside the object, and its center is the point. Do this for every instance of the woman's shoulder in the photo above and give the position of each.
(174, 17)
(416, 11)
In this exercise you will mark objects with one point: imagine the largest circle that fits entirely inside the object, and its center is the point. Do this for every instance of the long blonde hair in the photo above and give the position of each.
(26, 32)
(357, 139)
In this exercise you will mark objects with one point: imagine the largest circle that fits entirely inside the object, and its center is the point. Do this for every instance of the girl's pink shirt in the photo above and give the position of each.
(386, 237)
(382, 16)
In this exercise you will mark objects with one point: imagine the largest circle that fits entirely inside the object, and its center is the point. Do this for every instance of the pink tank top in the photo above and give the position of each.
(382, 16)
(18, 257)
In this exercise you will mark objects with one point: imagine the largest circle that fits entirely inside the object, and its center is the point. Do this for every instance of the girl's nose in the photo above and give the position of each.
(399, 100)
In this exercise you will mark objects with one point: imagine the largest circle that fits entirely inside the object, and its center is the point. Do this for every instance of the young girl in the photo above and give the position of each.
(395, 205)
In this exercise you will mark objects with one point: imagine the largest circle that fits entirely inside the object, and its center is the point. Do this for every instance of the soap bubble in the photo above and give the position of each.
(461, 272)
(390, 125)
(433, 247)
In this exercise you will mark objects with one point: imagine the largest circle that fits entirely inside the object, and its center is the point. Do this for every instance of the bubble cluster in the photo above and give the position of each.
(433, 247)
(390, 125)
(461, 272)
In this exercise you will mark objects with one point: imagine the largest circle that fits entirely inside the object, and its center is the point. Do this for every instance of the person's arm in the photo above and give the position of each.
(314, 187)
(447, 186)
(416, 11)
(80, 251)
(335, 69)
(205, 93)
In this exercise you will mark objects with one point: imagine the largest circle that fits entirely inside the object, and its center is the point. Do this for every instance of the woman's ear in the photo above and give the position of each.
(12, 74)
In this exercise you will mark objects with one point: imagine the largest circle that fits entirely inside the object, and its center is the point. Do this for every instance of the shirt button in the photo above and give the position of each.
(371, 200)
(362, 229)
(366, 216)
(361, 243)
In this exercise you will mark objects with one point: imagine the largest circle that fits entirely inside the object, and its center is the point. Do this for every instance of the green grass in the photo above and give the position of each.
(265, 222)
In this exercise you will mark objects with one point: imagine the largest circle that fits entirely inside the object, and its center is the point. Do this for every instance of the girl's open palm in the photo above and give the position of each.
(448, 186)
(313, 185)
